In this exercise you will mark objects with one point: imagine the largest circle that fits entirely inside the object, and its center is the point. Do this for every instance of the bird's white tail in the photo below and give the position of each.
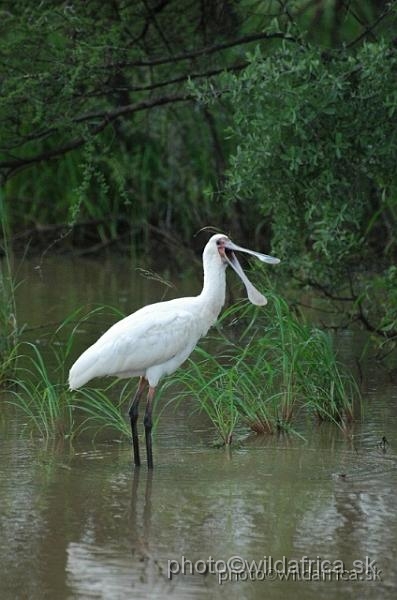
(84, 369)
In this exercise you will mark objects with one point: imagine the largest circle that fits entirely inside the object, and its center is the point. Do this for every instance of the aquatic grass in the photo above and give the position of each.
(41, 392)
(213, 388)
(268, 359)
(8, 358)
(53, 410)
(329, 390)
(308, 374)
(222, 386)
(9, 331)
(62, 339)
(272, 368)
(266, 370)
(102, 412)
(286, 335)
(46, 404)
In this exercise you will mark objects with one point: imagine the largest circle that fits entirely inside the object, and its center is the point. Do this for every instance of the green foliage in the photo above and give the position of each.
(316, 146)
(314, 151)
(78, 80)
(377, 307)
(326, 388)
(140, 171)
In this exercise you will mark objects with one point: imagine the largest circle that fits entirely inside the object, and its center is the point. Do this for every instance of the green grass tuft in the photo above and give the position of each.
(278, 368)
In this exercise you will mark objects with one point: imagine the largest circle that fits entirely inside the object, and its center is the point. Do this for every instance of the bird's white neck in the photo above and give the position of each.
(214, 288)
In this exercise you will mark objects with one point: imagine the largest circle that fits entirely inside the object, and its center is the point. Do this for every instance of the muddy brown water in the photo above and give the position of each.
(78, 522)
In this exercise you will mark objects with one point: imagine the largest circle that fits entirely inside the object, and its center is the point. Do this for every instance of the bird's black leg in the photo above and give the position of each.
(147, 421)
(133, 413)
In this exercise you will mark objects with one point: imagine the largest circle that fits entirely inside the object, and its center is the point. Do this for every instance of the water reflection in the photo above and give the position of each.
(80, 522)
(238, 505)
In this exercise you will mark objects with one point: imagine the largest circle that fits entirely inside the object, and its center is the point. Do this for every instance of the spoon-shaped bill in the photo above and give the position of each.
(254, 296)
(263, 257)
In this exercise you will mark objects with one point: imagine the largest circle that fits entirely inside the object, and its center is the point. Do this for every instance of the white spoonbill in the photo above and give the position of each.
(156, 339)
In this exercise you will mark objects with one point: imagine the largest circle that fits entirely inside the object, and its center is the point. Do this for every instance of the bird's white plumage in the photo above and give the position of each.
(149, 342)
(156, 339)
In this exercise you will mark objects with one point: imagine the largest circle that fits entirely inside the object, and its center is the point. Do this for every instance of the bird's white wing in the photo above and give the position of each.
(153, 342)
(146, 338)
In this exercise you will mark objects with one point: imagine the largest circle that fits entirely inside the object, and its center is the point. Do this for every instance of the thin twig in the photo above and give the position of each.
(369, 29)
(206, 51)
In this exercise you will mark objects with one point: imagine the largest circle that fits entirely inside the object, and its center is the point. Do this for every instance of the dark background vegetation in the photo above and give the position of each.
(130, 125)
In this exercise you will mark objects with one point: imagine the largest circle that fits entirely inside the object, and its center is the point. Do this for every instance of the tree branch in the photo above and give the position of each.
(369, 28)
(354, 299)
(254, 37)
(183, 78)
(17, 164)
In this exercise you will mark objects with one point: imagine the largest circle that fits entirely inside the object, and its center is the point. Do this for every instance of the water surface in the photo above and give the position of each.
(77, 521)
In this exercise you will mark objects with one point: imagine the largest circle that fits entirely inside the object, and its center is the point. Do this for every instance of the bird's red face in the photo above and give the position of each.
(224, 252)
